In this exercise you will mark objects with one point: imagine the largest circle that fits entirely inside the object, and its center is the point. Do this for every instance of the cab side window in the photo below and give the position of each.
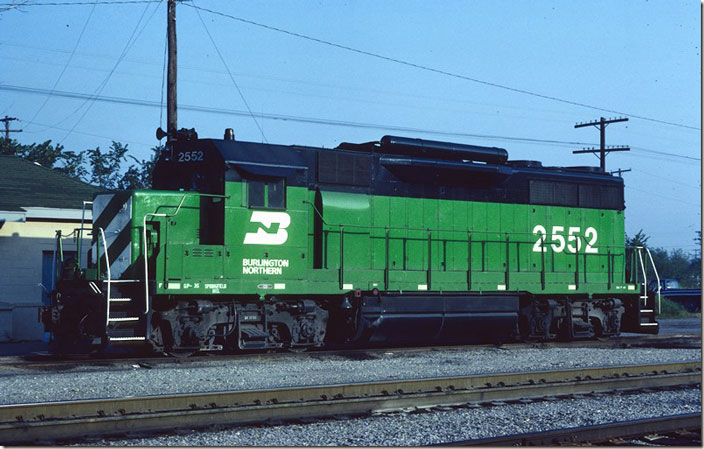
(257, 194)
(267, 194)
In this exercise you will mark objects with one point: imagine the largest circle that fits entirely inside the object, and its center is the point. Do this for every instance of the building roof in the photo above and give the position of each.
(27, 184)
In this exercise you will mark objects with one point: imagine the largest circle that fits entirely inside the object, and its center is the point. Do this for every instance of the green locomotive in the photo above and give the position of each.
(245, 245)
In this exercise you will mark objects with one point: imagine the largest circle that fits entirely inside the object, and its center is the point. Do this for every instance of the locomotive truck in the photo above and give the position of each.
(242, 245)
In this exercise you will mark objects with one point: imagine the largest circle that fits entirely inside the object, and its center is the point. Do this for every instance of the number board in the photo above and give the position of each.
(190, 156)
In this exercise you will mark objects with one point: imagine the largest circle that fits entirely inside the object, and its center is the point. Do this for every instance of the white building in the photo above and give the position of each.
(35, 203)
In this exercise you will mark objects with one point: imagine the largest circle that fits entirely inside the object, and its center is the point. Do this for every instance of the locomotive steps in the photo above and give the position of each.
(55, 421)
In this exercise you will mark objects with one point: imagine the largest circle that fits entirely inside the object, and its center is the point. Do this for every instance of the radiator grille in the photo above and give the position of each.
(342, 168)
(202, 252)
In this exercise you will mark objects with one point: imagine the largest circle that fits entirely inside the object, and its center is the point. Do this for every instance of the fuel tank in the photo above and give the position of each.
(434, 317)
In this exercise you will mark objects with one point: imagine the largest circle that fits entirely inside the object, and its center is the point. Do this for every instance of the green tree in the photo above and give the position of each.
(140, 176)
(45, 153)
(69, 163)
(105, 166)
(673, 264)
(640, 239)
(73, 165)
(102, 168)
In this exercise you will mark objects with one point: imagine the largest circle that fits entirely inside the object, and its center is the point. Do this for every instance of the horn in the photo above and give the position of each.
(160, 134)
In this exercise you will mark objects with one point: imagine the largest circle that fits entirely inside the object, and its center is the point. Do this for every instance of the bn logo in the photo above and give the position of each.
(267, 219)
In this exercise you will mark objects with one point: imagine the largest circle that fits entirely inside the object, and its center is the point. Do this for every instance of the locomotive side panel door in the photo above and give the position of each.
(267, 236)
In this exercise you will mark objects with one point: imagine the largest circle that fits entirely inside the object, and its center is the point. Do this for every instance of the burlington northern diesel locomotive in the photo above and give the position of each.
(242, 245)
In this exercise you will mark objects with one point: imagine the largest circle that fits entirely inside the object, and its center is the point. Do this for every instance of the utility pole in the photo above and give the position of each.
(603, 151)
(7, 121)
(620, 171)
(171, 115)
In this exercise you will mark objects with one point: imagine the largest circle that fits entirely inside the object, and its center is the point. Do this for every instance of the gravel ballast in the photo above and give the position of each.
(120, 379)
(439, 426)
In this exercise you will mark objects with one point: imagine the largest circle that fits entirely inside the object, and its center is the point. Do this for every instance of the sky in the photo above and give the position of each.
(513, 74)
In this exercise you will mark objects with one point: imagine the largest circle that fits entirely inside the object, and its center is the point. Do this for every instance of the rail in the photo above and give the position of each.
(22, 423)
(599, 433)
(49, 362)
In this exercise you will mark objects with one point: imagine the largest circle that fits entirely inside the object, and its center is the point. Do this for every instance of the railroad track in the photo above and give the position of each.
(679, 430)
(48, 362)
(72, 420)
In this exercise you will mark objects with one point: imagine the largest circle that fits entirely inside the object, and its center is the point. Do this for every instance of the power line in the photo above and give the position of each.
(662, 158)
(292, 118)
(315, 120)
(232, 77)
(366, 100)
(367, 53)
(128, 45)
(7, 108)
(10, 6)
(295, 81)
(116, 139)
(668, 179)
(286, 80)
(68, 62)
(667, 154)
(101, 86)
(663, 196)
(81, 3)
(434, 70)
(337, 87)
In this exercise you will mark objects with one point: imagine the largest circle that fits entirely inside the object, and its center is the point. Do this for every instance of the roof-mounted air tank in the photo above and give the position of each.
(441, 150)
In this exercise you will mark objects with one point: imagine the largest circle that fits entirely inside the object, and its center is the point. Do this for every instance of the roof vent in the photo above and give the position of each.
(442, 150)
(525, 164)
(585, 169)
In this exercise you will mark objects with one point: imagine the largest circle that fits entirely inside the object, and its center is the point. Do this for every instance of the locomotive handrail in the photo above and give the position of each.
(144, 245)
(657, 276)
(503, 238)
(144, 235)
(645, 276)
(73, 233)
(107, 266)
(655, 270)
(317, 212)
(60, 251)
(315, 209)
(80, 232)
(642, 267)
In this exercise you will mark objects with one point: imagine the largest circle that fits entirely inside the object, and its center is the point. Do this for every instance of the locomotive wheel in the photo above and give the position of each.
(180, 353)
(162, 341)
(297, 349)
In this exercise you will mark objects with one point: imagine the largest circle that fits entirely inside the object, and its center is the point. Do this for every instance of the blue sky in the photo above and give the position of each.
(641, 58)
